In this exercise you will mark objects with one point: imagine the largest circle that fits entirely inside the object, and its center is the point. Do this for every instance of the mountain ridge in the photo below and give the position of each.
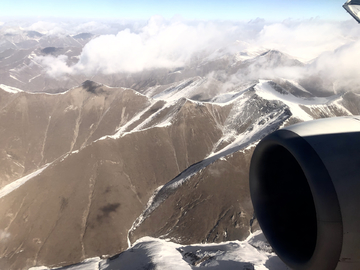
(177, 143)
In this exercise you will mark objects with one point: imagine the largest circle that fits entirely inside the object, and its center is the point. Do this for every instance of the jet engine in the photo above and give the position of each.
(305, 189)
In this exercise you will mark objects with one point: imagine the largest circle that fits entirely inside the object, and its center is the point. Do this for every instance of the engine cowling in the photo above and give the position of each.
(305, 189)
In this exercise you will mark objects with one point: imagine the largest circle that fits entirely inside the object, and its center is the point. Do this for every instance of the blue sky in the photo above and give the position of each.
(188, 9)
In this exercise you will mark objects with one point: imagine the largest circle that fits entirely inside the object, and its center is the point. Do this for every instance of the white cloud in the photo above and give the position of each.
(97, 28)
(330, 49)
(166, 44)
(340, 69)
(55, 66)
(12, 31)
(91, 27)
(305, 39)
(50, 28)
(158, 45)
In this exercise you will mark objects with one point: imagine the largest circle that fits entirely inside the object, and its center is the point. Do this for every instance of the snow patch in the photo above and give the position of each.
(178, 90)
(121, 131)
(34, 78)
(13, 77)
(10, 89)
(151, 253)
(266, 91)
(16, 184)
(143, 215)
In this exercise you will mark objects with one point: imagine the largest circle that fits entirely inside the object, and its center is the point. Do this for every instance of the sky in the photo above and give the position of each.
(238, 10)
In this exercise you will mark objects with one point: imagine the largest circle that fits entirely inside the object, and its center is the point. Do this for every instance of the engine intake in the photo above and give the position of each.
(305, 189)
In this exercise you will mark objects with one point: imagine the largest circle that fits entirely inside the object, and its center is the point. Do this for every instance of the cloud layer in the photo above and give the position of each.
(160, 43)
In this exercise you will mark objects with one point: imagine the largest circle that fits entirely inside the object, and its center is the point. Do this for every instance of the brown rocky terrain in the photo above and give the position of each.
(37, 129)
(122, 165)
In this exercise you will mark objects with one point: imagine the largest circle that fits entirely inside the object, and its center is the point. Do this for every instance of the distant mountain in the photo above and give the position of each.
(84, 36)
(34, 34)
(19, 52)
(21, 66)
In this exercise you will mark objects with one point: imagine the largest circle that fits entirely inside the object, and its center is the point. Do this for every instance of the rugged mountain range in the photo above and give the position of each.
(89, 167)
(89, 171)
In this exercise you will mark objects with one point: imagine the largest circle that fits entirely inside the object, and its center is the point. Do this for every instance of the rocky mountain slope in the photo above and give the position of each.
(102, 167)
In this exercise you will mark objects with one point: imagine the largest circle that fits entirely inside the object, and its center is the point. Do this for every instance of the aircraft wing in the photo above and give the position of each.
(353, 8)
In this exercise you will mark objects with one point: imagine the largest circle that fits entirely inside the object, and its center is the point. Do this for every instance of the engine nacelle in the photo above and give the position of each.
(305, 189)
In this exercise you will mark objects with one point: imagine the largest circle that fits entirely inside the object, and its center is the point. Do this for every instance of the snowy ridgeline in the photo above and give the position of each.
(150, 253)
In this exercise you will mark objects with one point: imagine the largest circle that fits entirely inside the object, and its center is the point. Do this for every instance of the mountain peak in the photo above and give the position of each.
(92, 87)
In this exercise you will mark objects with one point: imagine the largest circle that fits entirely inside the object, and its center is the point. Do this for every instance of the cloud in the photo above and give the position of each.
(339, 69)
(46, 27)
(160, 43)
(105, 28)
(55, 66)
(157, 44)
(330, 52)
(306, 40)
(92, 27)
